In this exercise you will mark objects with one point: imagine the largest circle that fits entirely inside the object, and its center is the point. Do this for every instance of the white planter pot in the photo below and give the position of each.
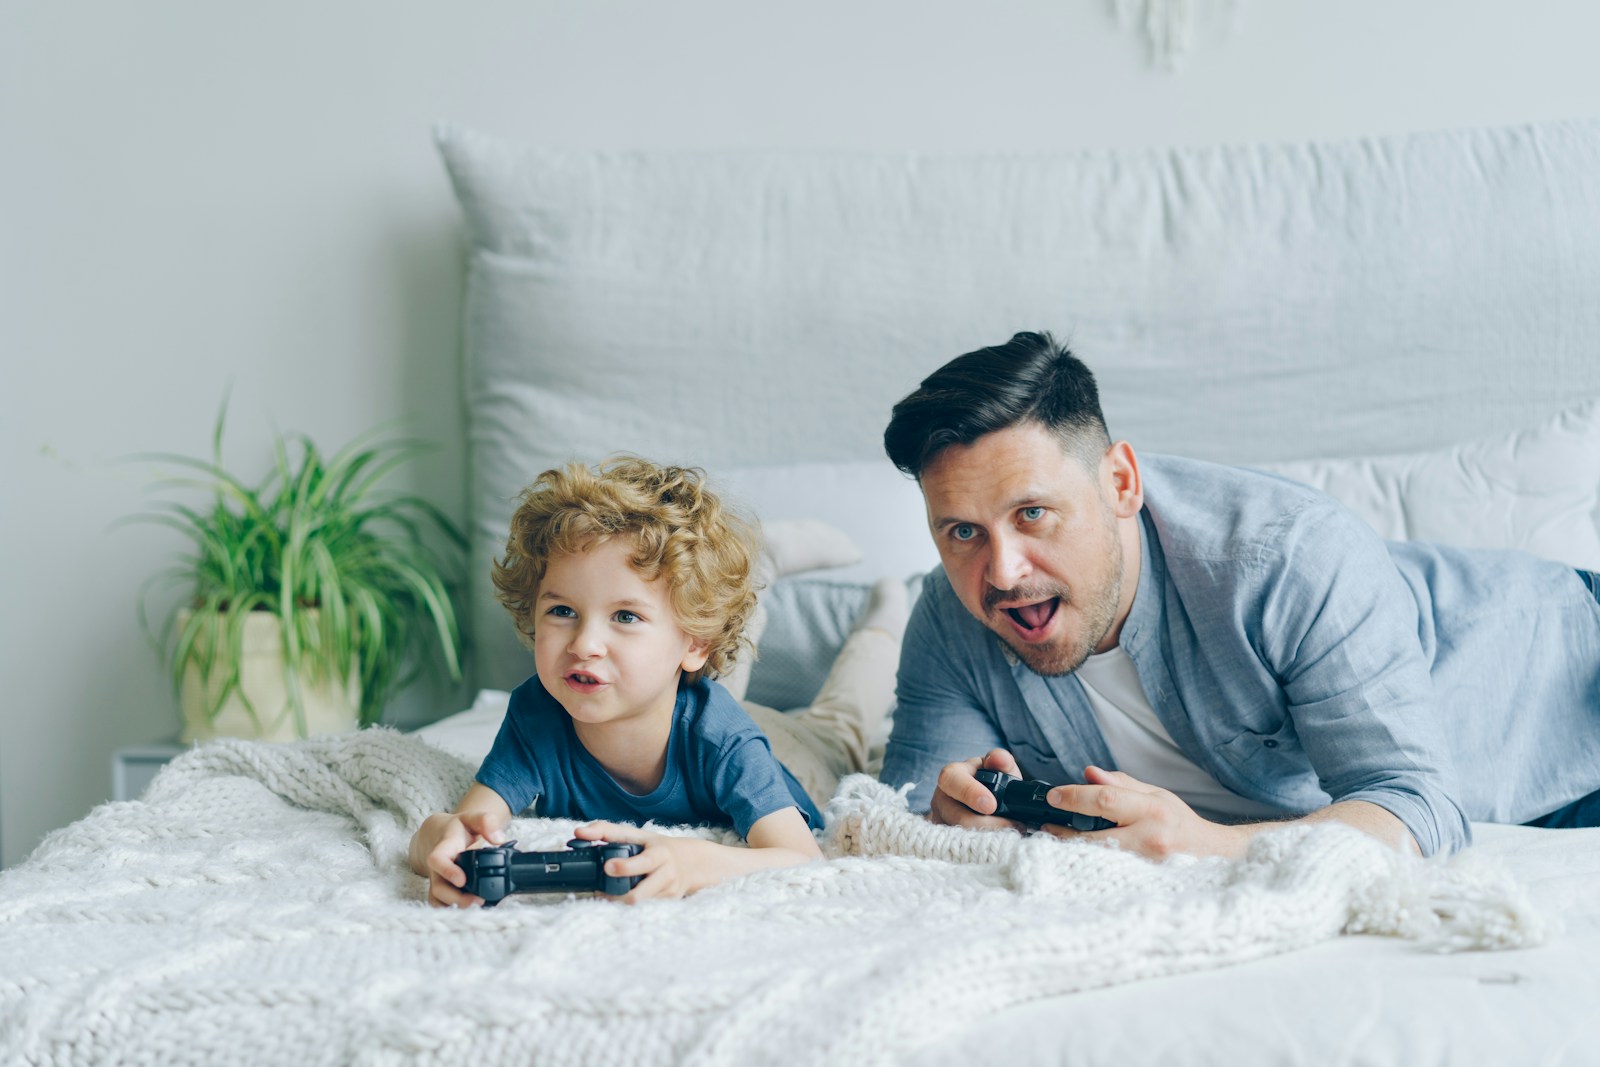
(329, 708)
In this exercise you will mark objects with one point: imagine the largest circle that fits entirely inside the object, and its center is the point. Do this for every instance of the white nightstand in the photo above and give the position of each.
(134, 766)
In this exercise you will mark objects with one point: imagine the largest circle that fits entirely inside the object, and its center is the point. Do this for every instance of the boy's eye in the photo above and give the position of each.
(1033, 514)
(963, 531)
(561, 611)
(626, 617)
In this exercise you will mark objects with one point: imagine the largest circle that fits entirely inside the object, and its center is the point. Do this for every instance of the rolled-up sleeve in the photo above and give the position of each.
(1339, 627)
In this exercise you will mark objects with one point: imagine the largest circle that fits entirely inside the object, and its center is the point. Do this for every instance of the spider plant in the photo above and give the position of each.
(345, 566)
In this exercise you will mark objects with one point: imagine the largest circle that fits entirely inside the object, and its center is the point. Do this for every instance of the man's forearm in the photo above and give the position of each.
(1156, 823)
(1370, 819)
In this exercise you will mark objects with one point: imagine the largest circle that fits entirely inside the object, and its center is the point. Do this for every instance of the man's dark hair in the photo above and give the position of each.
(1030, 378)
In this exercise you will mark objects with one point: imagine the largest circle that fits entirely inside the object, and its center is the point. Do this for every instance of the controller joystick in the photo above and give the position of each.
(1025, 802)
(495, 873)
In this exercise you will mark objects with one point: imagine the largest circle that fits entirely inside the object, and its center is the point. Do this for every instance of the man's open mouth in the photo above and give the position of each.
(1032, 619)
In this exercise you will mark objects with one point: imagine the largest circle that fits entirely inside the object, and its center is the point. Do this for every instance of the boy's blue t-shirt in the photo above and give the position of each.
(720, 767)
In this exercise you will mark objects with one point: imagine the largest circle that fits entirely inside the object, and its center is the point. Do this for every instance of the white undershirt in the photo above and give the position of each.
(1142, 746)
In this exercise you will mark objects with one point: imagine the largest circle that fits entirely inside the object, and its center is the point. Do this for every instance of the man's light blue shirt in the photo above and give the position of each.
(1300, 660)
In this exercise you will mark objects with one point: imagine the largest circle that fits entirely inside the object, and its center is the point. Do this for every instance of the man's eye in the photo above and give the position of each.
(561, 611)
(962, 531)
(1032, 514)
(626, 617)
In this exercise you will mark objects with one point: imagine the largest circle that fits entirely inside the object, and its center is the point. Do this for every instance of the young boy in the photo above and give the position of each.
(633, 585)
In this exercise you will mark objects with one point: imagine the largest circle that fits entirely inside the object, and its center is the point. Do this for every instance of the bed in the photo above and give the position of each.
(1408, 323)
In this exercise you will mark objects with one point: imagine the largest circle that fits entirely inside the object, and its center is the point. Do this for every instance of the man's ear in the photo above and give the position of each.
(1123, 486)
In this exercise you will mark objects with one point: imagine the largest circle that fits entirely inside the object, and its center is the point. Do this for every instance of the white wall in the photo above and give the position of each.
(194, 194)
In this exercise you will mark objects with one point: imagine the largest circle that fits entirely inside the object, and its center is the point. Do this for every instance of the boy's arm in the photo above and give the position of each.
(481, 814)
(678, 866)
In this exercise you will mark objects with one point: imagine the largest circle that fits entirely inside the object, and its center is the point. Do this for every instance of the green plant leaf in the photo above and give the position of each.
(348, 569)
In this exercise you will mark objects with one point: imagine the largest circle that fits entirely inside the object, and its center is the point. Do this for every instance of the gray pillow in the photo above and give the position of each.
(808, 620)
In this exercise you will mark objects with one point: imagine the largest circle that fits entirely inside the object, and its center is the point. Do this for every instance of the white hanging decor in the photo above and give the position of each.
(1169, 25)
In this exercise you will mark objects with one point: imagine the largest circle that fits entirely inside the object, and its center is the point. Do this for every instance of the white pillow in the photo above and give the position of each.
(1537, 490)
(871, 502)
(470, 734)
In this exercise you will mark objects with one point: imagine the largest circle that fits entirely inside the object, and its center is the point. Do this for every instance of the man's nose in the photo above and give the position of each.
(1008, 562)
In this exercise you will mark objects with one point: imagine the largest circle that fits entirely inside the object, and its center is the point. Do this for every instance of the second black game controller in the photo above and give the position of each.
(1025, 802)
(495, 873)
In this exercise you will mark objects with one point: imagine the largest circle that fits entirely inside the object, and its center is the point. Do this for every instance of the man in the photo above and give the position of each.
(1243, 648)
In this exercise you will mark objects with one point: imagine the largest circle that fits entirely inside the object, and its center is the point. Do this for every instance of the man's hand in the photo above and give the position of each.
(438, 842)
(959, 800)
(1150, 821)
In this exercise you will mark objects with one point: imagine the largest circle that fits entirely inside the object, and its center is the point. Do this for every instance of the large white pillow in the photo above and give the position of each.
(1537, 490)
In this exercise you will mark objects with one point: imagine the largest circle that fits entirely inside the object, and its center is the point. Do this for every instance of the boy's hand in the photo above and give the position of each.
(671, 866)
(438, 842)
(678, 866)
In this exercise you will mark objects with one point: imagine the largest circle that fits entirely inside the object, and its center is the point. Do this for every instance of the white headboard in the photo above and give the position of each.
(758, 314)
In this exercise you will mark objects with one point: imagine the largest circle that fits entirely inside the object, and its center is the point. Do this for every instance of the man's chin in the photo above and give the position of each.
(1051, 659)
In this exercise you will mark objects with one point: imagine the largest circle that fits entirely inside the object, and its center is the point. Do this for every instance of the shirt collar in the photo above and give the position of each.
(1144, 615)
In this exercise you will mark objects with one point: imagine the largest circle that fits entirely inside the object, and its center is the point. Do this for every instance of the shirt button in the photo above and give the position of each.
(1270, 743)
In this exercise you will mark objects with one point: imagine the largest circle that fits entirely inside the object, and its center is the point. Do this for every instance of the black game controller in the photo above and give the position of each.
(1025, 802)
(496, 873)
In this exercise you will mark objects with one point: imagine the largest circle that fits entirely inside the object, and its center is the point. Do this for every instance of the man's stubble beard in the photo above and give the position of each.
(1055, 659)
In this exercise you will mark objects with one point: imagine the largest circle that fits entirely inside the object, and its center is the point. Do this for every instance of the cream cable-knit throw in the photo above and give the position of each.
(256, 907)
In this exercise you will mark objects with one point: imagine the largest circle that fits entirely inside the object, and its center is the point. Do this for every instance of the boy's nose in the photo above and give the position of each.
(586, 643)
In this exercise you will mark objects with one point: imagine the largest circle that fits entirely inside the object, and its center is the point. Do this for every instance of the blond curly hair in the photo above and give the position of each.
(681, 531)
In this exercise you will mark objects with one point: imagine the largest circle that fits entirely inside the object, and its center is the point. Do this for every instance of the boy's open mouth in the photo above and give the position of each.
(583, 681)
(1032, 620)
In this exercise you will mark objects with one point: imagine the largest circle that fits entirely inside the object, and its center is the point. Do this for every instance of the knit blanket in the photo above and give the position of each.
(256, 906)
